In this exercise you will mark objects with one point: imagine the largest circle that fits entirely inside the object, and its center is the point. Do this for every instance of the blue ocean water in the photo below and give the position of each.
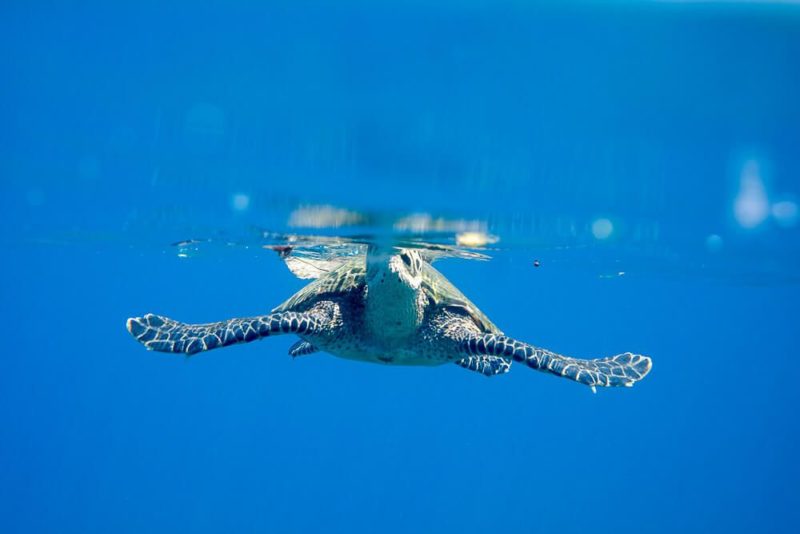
(645, 155)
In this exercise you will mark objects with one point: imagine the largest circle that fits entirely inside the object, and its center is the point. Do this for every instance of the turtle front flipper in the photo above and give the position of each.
(167, 335)
(620, 370)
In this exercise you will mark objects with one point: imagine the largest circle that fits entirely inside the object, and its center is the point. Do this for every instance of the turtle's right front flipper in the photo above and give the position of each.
(167, 335)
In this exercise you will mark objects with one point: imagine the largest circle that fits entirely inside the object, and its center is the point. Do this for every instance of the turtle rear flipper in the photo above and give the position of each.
(301, 348)
(167, 335)
(620, 370)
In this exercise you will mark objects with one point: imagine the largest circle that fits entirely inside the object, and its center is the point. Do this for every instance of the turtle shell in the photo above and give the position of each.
(442, 292)
(351, 277)
(348, 277)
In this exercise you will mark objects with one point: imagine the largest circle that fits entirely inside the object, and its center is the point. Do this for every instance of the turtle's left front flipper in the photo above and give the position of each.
(167, 335)
(620, 370)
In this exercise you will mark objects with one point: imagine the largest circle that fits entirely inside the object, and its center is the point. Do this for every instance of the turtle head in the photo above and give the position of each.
(408, 267)
(403, 270)
(394, 287)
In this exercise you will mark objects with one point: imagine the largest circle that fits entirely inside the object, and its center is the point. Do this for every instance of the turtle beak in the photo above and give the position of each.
(406, 275)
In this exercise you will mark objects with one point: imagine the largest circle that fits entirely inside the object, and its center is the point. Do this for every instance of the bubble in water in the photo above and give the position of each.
(240, 201)
(785, 212)
(714, 243)
(750, 207)
(602, 228)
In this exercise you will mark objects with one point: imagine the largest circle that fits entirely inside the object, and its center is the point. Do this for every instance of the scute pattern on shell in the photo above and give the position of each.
(348, 278)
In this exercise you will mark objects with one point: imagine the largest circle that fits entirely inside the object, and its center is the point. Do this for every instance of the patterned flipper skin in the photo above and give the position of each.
(620, 370)
(167, 335)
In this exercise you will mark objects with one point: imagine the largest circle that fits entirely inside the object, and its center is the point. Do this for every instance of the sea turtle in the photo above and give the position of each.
(388, 306)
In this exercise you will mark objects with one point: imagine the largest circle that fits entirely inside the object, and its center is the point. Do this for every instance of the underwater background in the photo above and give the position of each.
(644, 155)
